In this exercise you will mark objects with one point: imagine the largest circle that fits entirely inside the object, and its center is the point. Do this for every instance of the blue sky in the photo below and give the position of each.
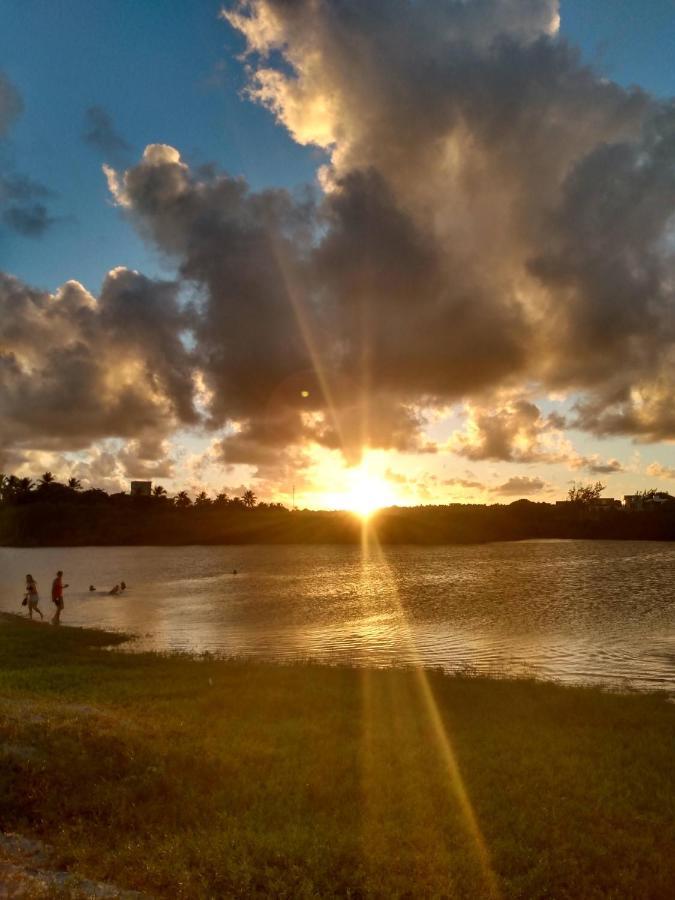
(167, 71)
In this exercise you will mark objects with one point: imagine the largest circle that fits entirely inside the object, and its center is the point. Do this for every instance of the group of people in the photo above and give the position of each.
(32, 598)
(118, 589)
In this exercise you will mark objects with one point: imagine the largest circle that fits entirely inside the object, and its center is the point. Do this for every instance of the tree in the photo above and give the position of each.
(249, 499)
(23, 486)
(221, 499)
(75, 484)
(159, 491)
(182, 500)
(202, 499)
(585, 494)
(47, 478)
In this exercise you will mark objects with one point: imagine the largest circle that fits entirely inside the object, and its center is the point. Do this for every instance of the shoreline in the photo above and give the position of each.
(194, 777)
(356, 542)
(122, 642)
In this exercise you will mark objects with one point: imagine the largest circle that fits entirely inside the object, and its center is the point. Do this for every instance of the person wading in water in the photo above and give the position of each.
(57, 596)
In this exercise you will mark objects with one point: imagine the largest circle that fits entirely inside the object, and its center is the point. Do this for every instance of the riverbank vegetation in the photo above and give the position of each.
(51, 514)
(202, 778)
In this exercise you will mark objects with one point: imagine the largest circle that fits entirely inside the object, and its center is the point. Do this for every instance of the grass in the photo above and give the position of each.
(205, 778)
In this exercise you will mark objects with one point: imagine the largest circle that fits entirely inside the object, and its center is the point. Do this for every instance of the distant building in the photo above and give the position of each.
(605, 503)
(657, 500)
(141, 489)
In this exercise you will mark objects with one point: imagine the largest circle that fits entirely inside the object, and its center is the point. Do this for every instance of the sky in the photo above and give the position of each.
(395, 252)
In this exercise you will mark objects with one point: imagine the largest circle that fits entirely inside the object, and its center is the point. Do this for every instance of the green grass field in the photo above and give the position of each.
(204, 778)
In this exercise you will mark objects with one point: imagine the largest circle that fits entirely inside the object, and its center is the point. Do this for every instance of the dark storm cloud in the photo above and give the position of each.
(101, 134)
(74, 369)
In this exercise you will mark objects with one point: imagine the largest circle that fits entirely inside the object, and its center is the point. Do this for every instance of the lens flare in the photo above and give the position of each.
(367, 491)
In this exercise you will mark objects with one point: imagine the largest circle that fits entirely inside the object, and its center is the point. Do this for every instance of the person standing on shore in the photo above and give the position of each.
(57, 596)
(32, 597)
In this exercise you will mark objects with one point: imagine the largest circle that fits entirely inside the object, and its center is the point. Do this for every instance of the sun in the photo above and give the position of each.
(367, 491)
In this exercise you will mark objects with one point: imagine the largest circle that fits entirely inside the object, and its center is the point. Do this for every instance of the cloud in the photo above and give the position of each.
(465, 483)
(514, 430)
(597, 466)
(493, 224)
(522, 201)
(75, 368)
(521, 485)
(656, 470)
(100, 133)
(23, 209)
(149, 459)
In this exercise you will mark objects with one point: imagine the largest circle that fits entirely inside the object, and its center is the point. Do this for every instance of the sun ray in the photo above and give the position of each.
(421, 700)
(368, 491)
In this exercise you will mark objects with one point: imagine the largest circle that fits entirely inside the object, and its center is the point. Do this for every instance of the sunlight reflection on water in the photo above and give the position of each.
(596, 611)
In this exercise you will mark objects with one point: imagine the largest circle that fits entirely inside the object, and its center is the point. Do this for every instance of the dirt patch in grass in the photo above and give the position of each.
(25, 873)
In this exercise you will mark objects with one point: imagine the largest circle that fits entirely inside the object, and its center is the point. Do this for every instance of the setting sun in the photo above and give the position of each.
(367, 491)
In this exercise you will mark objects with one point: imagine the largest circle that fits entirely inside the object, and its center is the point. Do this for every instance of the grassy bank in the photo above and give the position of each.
(209, 779)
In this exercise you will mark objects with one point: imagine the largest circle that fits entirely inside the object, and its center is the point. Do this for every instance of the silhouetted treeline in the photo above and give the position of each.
(52, 514)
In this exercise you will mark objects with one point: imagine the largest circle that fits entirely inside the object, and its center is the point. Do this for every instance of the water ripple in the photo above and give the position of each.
(571, 610)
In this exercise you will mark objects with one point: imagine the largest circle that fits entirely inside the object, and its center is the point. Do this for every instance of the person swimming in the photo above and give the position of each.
(123, 586)
(91, 587)
(115, 590)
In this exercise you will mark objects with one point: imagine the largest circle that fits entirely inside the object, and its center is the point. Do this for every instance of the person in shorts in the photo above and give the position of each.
(57, 596)
(32, 597)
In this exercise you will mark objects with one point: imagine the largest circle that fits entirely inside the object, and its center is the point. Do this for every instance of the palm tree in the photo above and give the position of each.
(249, 499)
(159, 491)
(75, 484)
(23, 485)
(182, 500)
(202, 499)
(221, 499)
(47, 478)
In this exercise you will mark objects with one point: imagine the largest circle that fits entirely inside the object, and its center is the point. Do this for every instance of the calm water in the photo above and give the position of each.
(596, 611)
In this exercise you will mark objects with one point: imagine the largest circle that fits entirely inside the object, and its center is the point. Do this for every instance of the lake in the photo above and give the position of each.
(576, 611)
